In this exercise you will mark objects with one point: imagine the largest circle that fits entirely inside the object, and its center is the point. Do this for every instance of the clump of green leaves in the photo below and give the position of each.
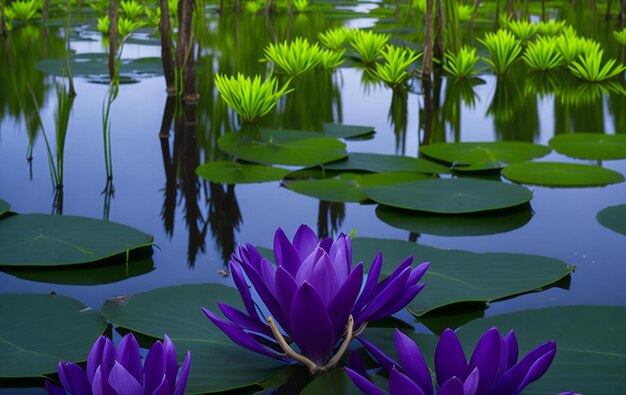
(543, 54)
(126, 26)
(331, 59)
(22, 10)
(295, 57)
(620, 36)
(249, 97)
(369, 45)
(397, 60)
(254, 6)
(551, 27)
(571, 46)
(504, 49)
(103, 24)
(301, 5)
(465, 12)
(154, 17)
(589, 67)
(131, 9)
(523, 30)
(335, 39)
(461, 64)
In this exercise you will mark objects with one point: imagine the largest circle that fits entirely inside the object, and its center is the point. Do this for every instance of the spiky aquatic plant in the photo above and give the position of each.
(131, 9)
(295, 57)
(301, 5)
(331, 59)
(103, 24)
(504, 49)
(551, 27)
(461, 64)
(465, 12)
(397, 60)
(126, 26)
(249, 97)
(543, 54)
(254, 6)
(22, 11)
(589, 67)
(335, 39)
(154, 17)
(369, 45)
(523, 30)
(620, 36)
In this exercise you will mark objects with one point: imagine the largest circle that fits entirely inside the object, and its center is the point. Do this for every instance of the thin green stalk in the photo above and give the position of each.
(72, 90)
(54, 177)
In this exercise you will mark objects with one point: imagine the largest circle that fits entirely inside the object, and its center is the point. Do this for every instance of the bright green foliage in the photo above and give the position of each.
(543, 54)
(301, 5)
(103, 24)
(334, 39)
(131, 9)
(571, 46)
(331, 59)
(126, 26)
(250, 98)
(589, 67)
(620, 36)
(154, 17)
(465, 12)
(504, 49)
(523, 30)
(369, 45)
(100, 6)
(394, 71)
(461, 65)
(551, 27)
(254, 6)
(22, 10)
(295, 57)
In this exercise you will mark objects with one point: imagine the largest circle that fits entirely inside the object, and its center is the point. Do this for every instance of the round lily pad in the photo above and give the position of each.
(226, 172)
(96, 64)
(472, 156)
(382, 179)
(37, 331)
(54, 240)
(340, 130)
(595, 146)
(343, 189)
(450, 196)
(557, 174)
(4, 207)
(613, 218)
(379, 163)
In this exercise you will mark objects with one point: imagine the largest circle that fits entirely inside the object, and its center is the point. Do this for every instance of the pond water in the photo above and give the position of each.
(196, 224)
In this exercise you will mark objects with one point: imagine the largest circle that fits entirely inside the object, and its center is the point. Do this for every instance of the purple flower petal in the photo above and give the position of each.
(305, 241)
(285, 253)
(511, 380)
(386, 295)
(449, 358)
(99, 386)
(183, 376)
(470, 386)
(163, 388)
(326, 244)
(102, 353)
(400, 384)
(324, 279)
(243, 321)
(396, 304)
(128, 355)
(154, 367)
(285, 289)
(512, 349)
(383, 360)
(539, 367)
(370, 286)
(406, 263)
(122, 381)
(488, 358)
(73, 378)
(171, 362)
(339, 255)
(412, 361)
(54, 389)
(307, 266)
(367, 387)
(340, 307)
(357, 364)
(453, 386)
(244, 290)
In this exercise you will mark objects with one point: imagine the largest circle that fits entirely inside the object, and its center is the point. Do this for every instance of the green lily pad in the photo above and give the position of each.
(382, 179)
(556, 174)
(4, 207)
(54, 240)
(595, 146)
(450, 196)
(97, 65)
(340, 130)
(283, 148)
(473, 156)
(226, 172)
(342, 189)
(379, 163)
(37, 331)
(613, 218)
(591, 346)
(457, 276)
(336, 382)
(454, 225)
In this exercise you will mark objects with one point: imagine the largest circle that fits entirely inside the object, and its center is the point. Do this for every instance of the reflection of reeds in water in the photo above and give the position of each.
(458, 91)
(330, 218)
(398, 115)
(514, 111)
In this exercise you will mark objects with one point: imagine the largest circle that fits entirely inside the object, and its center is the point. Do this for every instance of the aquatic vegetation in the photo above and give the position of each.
(154, 17)
(522, 29)
(126, 26)
(493, 367)
(589, 67)
(331, 59)
(461, 64)
(254, 6)
(250, 98)
(551, 27)
(314, 294)
(335, 39)
(570, 45)
(397, 60)
(620, 36)
(543, 54)
(103, 24)
(22, 10)
(120, 371)
(369, 45)
(504, 49)
(465, 12)
(301, 5)
(295, 57)
(131, 9)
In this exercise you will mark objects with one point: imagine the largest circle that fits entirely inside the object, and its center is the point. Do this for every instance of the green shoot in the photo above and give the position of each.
(103, 24)
(254, 6)
(620, 36)
(369, 45)
(250, 98)
(589, 67)
(335, 39)
(295, 57)
(154, 17)
(126, 26)
(543, 54)
(131, 9)
(523, 30)
(461, 65)
(301, 5)
(504, 50)
(22, 10)
(571, 46)
(465, 12)
(551, 27)
(331, 59)
(394, 71)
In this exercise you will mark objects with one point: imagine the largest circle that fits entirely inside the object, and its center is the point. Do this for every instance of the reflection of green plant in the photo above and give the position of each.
(254, 6)
(22, 10)
(331, 59)
(394, 71)
(589, 67)
(250, 98)
(127, 26)
(523, 30)
(461, 65)
(131, 9)
(551, 27)
(301, 5)
(103, 24)
(620, 36)
(543, 54)
(465, 12)
(334, 39)
(295, 57)
(369, 45)
(504, 50)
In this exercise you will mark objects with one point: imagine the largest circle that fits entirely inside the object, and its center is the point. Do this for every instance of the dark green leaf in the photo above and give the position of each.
(4, 207)
(96, 65)
(379, 163)
(556, 174)
(382, 179)
(239, 173)
(336, 382)
(339, 130)
(341, 189)
(613, 218)
(595, 146)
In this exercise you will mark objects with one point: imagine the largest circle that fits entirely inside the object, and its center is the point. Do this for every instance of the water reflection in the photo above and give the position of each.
(330, 217)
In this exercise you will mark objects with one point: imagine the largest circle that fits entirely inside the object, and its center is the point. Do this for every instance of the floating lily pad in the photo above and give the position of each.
(457, 276)
(591, 346)
(97, 65)
(54, 240)
(450, 196)
(37, 331)
(239, 173)
(283, 148)
(613, 218)
(556, 174)
(342, 189)
(594, 146)
(454, 225)
(473, 156)
(340, 130)
(4, 207)
(379, 163)
(382, 179)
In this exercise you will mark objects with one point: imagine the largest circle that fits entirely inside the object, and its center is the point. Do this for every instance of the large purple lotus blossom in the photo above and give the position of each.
(119, 372)
(493, 368)
(314, 294)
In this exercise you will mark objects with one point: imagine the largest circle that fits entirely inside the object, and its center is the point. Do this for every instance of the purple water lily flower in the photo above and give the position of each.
(119, 372)
(493, 368)
(314, 295)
